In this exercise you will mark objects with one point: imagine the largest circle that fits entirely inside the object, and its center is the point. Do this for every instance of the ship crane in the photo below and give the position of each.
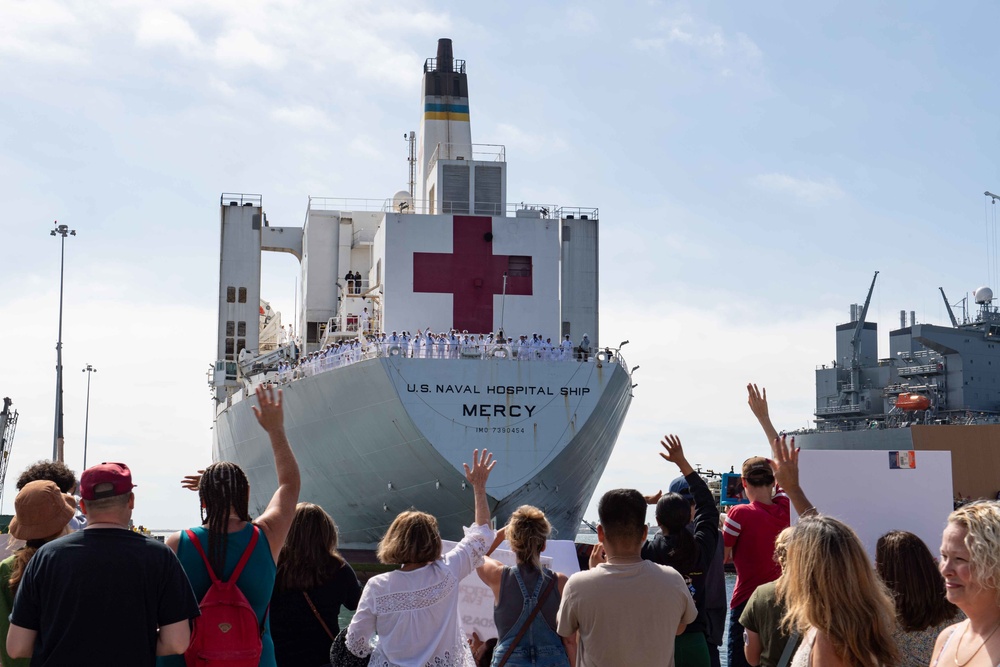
(855, 370)
(947, 305)
(8, 422)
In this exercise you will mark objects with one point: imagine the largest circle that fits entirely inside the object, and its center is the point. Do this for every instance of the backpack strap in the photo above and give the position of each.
(239, 566)
(246, 554)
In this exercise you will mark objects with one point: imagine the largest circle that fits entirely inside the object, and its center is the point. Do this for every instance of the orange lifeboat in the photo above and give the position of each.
(910, 402)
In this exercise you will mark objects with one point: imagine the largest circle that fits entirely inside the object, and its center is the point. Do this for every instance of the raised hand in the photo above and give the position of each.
(269, 415)
(757, 400)
(785, 462)
(674, 453)
(652, 498)
(191, 482)
(482, 464)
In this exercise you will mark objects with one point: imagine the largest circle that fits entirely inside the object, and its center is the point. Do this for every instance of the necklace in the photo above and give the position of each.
(974, 653)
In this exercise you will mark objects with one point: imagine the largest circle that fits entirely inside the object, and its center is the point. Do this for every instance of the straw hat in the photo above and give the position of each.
(41, 510)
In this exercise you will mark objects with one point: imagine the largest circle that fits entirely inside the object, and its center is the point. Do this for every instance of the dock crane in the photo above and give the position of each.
(8, 423)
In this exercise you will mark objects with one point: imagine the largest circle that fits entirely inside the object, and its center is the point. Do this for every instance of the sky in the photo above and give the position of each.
(754, 165)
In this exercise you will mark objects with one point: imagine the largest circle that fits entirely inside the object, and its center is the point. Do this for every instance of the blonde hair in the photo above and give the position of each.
(981, 521)
(527, 531)
(781, 546)
(413, 537)
(829, 584)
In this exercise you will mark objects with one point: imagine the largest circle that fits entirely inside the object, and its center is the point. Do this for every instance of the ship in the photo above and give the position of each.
(380, 414)
(937, 390)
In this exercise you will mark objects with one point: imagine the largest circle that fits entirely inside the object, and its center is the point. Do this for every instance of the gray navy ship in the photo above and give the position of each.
(938, 390)
(386, 425)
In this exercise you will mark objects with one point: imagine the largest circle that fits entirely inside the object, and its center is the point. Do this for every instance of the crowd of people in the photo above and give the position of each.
(80, 587)
(429, 345)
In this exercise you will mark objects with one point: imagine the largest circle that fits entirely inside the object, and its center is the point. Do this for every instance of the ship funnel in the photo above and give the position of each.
(444, 56)
(902, 319)
(854, 312)
(913, 318)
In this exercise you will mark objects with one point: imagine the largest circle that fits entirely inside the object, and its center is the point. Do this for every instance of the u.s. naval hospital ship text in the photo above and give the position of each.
(380, 424)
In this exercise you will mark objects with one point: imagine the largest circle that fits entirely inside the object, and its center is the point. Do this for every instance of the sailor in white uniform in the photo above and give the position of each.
(566, 349)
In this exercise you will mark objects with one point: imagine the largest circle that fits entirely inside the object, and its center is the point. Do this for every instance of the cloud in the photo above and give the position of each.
(805, 190)
(256, 34)
(580, 21)
(528, 143)
(160, 27)
(42, 31)
(243, 47)
(706, 41)
(303, 117)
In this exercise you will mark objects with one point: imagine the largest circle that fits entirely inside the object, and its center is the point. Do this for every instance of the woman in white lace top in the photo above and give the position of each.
(414, 610)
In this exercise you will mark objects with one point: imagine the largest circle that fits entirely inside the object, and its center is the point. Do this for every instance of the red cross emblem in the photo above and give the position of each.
(472, 274)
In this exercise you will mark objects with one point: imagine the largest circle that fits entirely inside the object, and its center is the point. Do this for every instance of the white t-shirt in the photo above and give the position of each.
(625, 614)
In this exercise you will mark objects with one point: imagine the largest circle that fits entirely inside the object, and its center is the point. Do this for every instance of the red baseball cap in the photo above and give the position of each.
(116, 474)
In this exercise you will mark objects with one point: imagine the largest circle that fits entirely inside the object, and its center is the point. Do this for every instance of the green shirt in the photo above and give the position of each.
(763, 616)
(6, 604)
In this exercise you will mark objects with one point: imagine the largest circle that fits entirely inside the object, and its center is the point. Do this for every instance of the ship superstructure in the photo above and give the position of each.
(939, 389)
(933, 374)
(381, 423)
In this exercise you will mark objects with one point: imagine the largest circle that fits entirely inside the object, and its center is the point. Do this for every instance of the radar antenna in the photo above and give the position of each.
(8, 422)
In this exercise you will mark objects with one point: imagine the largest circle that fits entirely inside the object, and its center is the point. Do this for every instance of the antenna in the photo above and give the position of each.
(411, 139)
(991, 239)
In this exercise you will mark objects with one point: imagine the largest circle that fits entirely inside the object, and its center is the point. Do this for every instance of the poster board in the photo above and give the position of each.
(475, 599)
(877, 491)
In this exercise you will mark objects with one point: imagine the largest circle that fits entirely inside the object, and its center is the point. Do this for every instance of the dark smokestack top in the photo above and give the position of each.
(444, 55)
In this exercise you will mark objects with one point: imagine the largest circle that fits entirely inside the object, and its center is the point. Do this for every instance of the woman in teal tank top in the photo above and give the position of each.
(225, 495)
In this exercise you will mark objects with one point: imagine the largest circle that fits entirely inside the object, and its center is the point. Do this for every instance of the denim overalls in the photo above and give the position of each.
(540, 646)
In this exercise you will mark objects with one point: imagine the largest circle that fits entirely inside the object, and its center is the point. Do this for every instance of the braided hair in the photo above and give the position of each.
(223, 486)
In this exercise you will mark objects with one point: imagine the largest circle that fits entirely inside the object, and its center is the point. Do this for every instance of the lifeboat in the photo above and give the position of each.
(910, 402)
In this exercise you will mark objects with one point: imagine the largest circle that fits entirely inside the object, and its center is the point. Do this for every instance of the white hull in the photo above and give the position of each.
(391, 433)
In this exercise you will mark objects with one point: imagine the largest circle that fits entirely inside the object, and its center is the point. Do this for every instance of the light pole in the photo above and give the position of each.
(57, 439)
(89, 370)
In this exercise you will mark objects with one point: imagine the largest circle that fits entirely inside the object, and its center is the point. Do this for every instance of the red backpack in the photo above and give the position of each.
(227, 633)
